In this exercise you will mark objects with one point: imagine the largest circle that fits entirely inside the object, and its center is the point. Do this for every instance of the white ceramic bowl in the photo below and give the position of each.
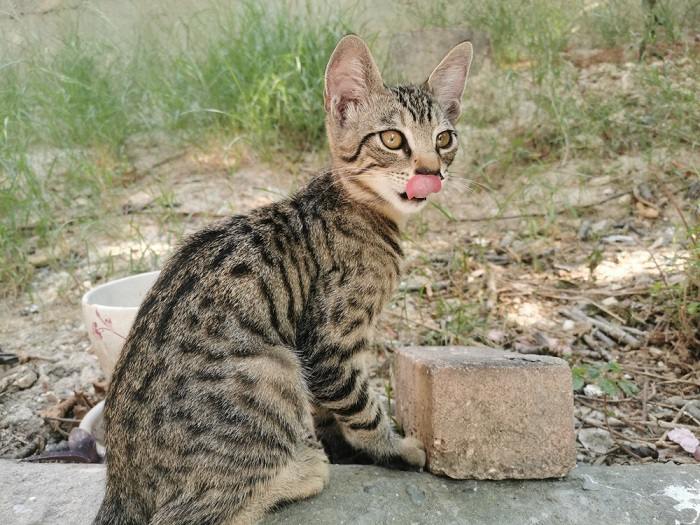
(109, 311)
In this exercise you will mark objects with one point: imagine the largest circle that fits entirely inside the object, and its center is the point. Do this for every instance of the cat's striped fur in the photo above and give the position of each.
(259, 323)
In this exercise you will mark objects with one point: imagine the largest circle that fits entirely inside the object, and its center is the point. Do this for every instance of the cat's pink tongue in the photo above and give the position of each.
(420, 186)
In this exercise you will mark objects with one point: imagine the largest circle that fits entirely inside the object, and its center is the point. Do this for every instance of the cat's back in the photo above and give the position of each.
(245, 281)
(234, 287)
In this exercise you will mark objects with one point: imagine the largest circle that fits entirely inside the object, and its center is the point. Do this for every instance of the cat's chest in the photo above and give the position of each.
(369, 261)
(365, 280)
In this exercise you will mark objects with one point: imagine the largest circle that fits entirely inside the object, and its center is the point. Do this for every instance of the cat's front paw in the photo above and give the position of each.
(412, 452)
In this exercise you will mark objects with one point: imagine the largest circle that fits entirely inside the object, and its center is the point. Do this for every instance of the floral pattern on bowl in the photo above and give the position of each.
(109, 311)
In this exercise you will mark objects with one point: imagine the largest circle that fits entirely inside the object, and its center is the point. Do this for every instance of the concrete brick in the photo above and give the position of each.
(487, 414)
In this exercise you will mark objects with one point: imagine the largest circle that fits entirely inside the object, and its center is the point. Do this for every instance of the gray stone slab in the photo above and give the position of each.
(637, 495)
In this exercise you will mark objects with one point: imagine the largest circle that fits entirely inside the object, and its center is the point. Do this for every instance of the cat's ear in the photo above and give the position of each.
(351, 75)
(448, 79)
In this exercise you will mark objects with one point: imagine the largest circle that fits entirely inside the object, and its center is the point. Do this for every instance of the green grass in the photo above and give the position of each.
(680, 301)
(260, 74)
(254, 71)
(39, 211)
(609, 377)
(537, 30)
(529, 42)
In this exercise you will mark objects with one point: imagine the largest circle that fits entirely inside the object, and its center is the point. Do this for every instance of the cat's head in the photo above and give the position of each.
(392, 145)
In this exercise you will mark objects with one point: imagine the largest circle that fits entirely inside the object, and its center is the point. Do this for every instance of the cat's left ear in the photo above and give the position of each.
(448, 79)
(351, 75)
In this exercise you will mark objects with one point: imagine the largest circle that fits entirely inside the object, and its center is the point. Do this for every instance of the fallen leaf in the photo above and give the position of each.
(646, 212)
(685, 439)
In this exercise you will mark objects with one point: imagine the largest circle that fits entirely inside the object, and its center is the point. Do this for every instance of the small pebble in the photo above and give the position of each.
(618, 239)
(644, 450)
(592, 390)
(61, 446)
(596, 440)
(26, 379)
(29, 310)
(610, 301)
(625, 199)
(417, 495)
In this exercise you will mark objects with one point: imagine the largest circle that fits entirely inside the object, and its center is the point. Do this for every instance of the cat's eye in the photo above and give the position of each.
(391, 139)
(444, 140)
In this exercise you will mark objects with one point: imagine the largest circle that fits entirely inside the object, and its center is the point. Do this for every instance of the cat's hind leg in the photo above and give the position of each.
(306, 475)
(191, 508)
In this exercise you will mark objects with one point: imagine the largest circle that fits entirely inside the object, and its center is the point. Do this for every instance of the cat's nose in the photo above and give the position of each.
(423, 170)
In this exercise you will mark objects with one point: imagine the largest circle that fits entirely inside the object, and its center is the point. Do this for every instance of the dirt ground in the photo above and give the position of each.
(572, 263)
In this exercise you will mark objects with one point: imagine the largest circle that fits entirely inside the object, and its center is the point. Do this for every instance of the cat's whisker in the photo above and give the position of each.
(471, 181)
(458, 189)
(461, 184)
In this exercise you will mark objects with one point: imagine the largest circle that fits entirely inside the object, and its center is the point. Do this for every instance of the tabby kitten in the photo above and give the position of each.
(258, 324)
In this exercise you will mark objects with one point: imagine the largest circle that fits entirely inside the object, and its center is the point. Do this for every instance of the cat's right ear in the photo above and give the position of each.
(448, 79)
(351, 75)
